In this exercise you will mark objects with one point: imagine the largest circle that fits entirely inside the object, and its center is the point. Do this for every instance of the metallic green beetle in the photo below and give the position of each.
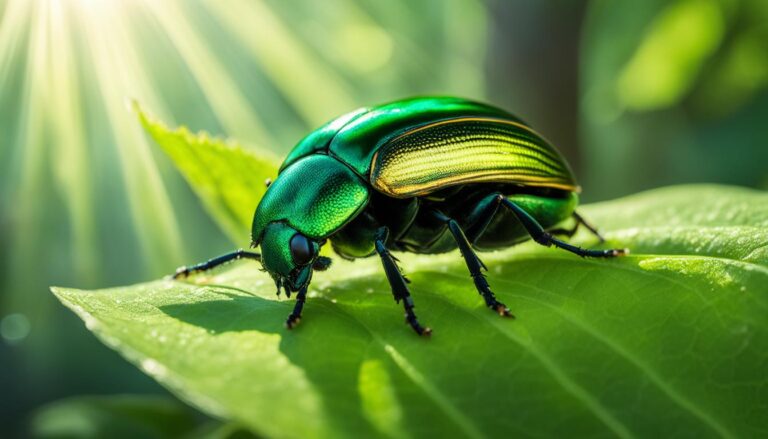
(423, 175)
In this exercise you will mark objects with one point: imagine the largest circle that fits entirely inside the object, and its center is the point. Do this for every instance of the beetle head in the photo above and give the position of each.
(289, 256)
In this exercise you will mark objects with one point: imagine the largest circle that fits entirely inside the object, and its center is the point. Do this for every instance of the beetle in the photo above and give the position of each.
(421, 175)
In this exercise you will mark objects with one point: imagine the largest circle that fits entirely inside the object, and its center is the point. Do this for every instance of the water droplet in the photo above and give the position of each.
(153, 367)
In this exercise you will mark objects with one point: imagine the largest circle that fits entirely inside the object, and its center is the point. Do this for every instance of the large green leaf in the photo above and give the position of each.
(672, 340)
(228, 178)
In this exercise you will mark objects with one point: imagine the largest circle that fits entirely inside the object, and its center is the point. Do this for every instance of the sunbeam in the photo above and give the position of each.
(153, 218)
(290, 65)
(71, 162)
(28, 172)
(231, 108)
(15, 17)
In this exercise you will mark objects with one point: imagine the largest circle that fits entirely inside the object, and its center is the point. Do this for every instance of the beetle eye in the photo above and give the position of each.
(301, 249)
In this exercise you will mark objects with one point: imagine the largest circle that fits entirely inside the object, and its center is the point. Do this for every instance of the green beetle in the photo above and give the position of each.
(422, 175)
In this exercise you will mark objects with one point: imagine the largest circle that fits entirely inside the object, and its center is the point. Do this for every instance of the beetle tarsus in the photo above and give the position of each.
(411, 319)
(181, 273)
(490, 299)
(502, 310)
(414, 323)
(292, 321)
(295, 317)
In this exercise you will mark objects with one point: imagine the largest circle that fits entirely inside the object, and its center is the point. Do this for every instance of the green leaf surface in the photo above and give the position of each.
(228, 178)
(669, 341)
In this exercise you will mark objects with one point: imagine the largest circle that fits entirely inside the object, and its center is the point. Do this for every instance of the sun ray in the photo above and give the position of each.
(150, 206)
(28, 166)
(70, 159)
(229, 105)
(15, 16)
(13, 32)
(314, 90)
(123, 41)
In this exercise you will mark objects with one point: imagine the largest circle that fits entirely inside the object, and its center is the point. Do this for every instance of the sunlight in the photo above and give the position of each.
(15, 17)
(71, 160)
(28, 170)
(153, 217)
(291, 66)
(232, 109)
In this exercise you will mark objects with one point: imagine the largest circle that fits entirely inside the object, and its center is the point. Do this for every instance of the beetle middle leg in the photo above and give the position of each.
(544, 238)
(398, 282)
(475, 266)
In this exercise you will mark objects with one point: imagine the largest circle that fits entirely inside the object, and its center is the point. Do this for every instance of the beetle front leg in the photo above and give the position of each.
(295, 317)
(185, 271)
(542, 237)
(398, 282)
(475, 266)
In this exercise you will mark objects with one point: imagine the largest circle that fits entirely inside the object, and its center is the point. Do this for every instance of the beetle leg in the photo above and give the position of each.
(581, 221)
(185, 271)
(562, 231)
(475, 266)
(542, 237)
(398, 283)
(295, 318)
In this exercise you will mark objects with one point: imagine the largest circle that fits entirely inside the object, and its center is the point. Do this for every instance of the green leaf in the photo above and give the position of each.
(126, 416)
(228, 178)
(671, 340)
(123, 416)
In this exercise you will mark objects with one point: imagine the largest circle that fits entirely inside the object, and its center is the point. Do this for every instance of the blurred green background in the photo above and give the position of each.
(636, 95)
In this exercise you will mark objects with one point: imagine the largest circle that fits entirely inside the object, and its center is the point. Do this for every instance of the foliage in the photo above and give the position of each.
(126, 416)
(228, 179)
(115, 416)
(668, 341)
(673, 92)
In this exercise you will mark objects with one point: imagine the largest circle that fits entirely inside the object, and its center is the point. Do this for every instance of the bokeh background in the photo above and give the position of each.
(637, 95)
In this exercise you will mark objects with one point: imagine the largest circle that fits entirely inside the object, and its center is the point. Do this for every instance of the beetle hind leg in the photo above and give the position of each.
(546, 239)
(475, 266)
